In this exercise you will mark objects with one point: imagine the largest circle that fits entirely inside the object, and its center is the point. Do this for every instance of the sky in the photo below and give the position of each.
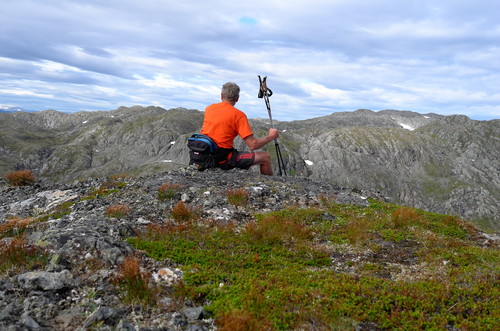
(319, 56)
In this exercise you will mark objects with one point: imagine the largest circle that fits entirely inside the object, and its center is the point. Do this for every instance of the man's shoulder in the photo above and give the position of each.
(213, 106)
(227, 108)
(239, 112)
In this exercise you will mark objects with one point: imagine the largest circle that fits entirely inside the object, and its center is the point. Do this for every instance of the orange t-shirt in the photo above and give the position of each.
(223, 122)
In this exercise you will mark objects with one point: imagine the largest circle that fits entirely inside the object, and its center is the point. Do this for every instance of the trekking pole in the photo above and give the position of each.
(265, 92)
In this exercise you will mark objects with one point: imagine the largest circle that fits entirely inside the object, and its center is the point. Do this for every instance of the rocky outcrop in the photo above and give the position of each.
(444, 164)
(85, 247)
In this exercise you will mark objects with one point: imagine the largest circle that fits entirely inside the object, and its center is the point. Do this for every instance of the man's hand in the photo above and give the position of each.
(273, 133)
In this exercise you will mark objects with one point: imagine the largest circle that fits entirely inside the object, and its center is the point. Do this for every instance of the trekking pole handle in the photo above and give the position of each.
(263, 89)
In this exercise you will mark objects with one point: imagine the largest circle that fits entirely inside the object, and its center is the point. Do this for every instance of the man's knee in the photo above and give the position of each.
(262, 158)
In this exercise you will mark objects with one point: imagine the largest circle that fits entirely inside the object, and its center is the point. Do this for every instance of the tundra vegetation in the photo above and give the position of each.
(295, 268)
(305, 262)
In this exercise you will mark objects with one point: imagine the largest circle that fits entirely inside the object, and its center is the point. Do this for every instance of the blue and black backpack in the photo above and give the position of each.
(202, 151)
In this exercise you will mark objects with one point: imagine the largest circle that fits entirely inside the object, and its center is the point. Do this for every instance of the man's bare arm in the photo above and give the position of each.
(254, 143)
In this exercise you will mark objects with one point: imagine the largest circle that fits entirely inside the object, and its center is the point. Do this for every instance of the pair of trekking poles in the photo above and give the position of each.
(265, 92)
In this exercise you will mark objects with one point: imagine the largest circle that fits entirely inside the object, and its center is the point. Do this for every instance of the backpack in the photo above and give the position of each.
(202, 150)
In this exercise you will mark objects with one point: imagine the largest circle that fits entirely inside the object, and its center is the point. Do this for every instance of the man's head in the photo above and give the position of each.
(230, 92)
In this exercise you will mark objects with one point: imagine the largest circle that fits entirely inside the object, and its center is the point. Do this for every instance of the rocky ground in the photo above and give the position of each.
(75, 289)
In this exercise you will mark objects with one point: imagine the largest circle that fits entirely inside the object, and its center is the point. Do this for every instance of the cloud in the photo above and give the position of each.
(321, 56)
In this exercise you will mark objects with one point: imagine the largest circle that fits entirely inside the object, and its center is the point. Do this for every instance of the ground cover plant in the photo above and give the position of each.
(335, 266)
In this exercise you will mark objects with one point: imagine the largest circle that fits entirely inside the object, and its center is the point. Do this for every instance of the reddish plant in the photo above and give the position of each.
(18, 254)
(404, 216)
(167, 191)
(134, 282)
(238, 320)
(118, 211)
(15, 226)
(183, 213)
(238, 197)
(20, 178)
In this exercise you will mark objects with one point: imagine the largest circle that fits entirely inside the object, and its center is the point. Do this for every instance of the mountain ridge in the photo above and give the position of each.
(446, 164)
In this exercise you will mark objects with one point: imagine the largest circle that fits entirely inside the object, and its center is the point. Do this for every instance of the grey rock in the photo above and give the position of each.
(108, 315)
(179, 320)
(6, 284)
(9, 312)
(195, 313)
(46, 281)
(29, 322)
(124, 326)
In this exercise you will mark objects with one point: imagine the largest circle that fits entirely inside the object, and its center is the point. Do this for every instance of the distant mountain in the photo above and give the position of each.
(445, 164)
(12, 110)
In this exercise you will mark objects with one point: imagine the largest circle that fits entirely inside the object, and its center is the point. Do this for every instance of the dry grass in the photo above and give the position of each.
(17, 254)
(404, 216)
(118, 211)
(275, 229)
(119, 176)
(238, 320)
(357, 232)
(327, 200)
(237, 197)
(20, 178)
(135, 283)
(15, 226)
(181, 212)
(167, 191)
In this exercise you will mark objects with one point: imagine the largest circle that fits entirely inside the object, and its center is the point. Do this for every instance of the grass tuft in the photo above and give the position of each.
(276, 230)
(167, 191)
(134, 283)
(237, 197)
(15, 226)
(108, 187)
(404, 216)
(327, 200)
(181, 212)
(18, 255)
(239, 320)
(20, 178)
(118, 211)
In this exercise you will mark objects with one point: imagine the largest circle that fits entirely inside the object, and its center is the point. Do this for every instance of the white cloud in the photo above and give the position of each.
(20, 92)
(320, 56)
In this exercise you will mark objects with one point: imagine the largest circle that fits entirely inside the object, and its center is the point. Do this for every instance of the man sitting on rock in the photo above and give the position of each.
(223, 122)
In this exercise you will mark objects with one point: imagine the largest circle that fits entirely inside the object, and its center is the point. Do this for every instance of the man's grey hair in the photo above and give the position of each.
(230, 91)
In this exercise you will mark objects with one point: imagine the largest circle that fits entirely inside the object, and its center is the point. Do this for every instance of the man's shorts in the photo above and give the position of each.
(237, 159)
